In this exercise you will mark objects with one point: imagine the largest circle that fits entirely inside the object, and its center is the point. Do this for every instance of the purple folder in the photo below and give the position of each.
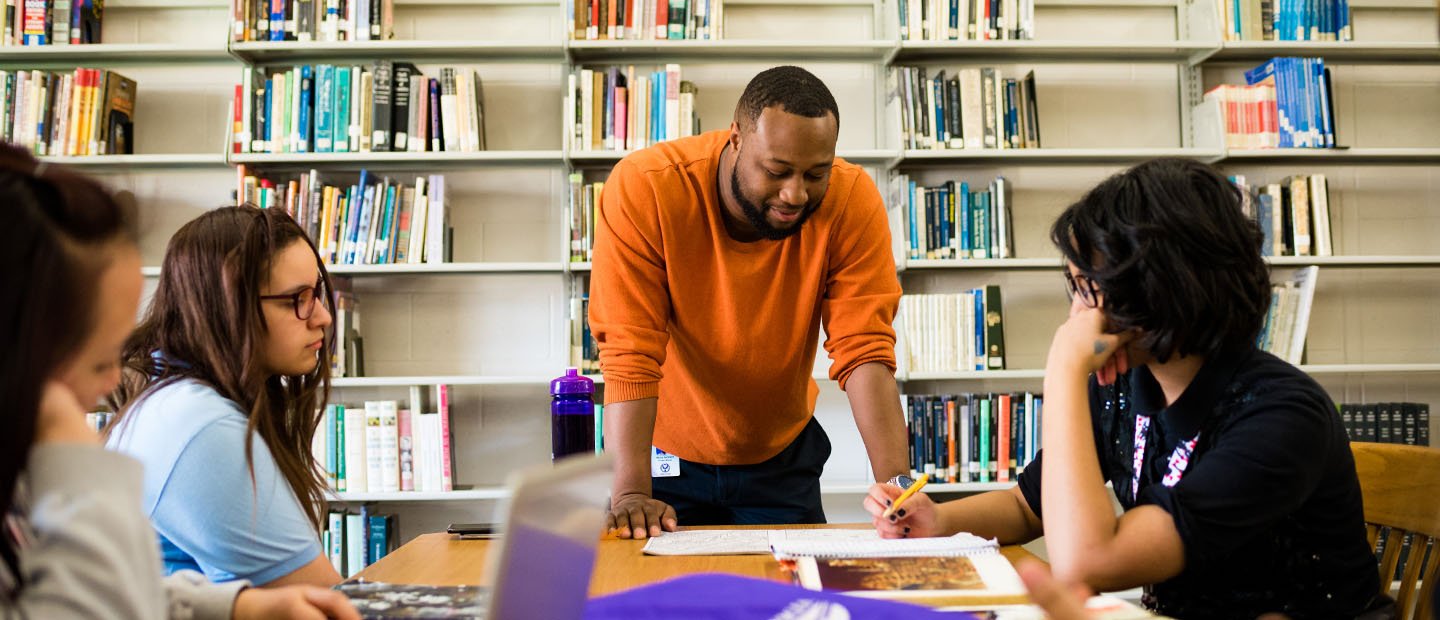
(729, 597)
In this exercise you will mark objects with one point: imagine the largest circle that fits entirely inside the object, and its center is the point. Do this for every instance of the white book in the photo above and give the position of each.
(374, 447)
(439, 221)
(971, 104)
(587, 129)
(1304, 280)
(336, 548)
(462, 111)
(389, 447)
(1320, 216)
(571, 129)
(355, 538)
(419, 224)
(672, 101)
(247, 111)
(476, 109)
(357, 101)
(296, 143)
(356, 474)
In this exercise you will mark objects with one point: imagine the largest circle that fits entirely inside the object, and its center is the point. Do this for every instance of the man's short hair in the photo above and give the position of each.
(1171, 249)
(790, 88)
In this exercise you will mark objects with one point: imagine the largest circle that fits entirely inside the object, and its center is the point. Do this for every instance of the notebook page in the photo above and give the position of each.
(962, 544)
(745, 542)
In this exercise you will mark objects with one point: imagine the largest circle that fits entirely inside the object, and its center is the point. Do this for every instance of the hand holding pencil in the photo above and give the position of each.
(902, 513)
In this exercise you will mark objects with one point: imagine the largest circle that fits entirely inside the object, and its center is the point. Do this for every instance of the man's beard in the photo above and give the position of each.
(756, 215)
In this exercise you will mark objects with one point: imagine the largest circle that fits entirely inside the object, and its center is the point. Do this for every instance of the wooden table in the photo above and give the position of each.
(442, 559)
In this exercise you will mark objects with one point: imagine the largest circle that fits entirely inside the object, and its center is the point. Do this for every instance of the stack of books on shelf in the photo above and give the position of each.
(584, 204)
(356, 539)
(374, 221)
(52, 22)
(84, 112)
(959, 332)
(949, 221)
(584, 351)
(649, 20)
(973, 437)
(971, 108)
(1288, 318)
(620, 108)
(1285, 20)
(98, 420)
(1402, 423)
(1285, 103)
(966, 20)
(1294, 215)
(348, 359)
(386, 106)
(311, 20)
(380, 448)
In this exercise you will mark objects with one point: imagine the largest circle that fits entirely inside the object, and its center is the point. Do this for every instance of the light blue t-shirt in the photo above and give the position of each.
(198, 492)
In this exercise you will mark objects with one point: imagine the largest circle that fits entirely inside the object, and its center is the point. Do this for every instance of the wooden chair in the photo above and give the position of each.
(1401, 489)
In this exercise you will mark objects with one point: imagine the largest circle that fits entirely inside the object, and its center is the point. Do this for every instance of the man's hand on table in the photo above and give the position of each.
(633, 515)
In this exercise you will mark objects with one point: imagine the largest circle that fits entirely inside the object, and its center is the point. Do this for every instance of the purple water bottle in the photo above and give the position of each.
(572, 415)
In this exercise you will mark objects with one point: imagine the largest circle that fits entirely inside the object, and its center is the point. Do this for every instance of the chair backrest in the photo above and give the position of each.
(1401, 489)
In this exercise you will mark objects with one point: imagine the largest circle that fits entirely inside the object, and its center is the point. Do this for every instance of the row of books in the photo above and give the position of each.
(949, 221)
(1295, 109)
(966, 20)
(98, 420)
(381, 448)
(311, 20)
(972, 108)
(584, 203)
(618, 108)
(954, 332)
(1286, 20)
(348, 358)
(1288, 318)
(376, 220)
(84, 112)
(1294, 215)
(1402, 423)
(584, 351)
(645, 19)
(52, 22)
(973, 437)
(356, 539)
(386, 106)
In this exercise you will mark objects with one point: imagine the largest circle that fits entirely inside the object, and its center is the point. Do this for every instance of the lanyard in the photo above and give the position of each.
(1179, 459)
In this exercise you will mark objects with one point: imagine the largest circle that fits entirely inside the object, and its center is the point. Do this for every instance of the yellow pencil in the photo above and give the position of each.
(914, 488)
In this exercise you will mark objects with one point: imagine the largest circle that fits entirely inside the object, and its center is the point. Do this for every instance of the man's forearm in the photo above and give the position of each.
(875, 400)
(629, 430)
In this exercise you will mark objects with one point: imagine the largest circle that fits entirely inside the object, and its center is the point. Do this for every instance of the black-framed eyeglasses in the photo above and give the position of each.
(1086, 288)
(304, 300)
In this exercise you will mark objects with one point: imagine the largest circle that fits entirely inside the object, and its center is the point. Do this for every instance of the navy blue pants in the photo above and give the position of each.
(782, 490)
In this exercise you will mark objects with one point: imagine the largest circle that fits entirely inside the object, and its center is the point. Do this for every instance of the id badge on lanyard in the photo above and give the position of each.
(1179, 459)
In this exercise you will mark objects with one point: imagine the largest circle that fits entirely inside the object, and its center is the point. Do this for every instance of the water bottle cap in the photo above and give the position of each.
(572, 383)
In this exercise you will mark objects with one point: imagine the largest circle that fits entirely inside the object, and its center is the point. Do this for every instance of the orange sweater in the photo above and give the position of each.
(724, 332)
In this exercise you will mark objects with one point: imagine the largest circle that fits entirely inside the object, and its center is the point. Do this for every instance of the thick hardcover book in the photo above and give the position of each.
(119, 114)
(401, 101)
(994, 328)
(382, 109)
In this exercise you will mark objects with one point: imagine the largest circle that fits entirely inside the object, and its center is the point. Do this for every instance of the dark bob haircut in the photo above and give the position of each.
(1174, 255)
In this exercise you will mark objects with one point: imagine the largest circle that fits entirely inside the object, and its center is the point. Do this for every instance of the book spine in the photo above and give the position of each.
(447, 477)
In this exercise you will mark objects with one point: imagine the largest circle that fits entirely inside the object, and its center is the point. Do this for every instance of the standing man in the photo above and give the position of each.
(717, 258)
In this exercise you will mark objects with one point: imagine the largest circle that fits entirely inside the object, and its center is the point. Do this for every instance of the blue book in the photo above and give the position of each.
(362, 235)
(947, 215)
(270, 132)
(357, 218)
(303, 124)
(937, 97)
(329, 426)
(977, 226)
(914, 221)
(962, 215)
(979, 294)
(1265, 212)
(392, 222)
(379, 538)
(657, 107)
(986, 224)
(324, 108)
(340, 128)
(277, 20)
(1322, 98)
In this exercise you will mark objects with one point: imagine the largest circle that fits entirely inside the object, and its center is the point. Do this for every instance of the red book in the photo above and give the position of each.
(662, 24)
(407, 450)
(447, 477)
(236, 134)
(1002, 440)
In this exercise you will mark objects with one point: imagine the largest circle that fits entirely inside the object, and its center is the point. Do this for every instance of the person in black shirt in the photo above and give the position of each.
(1233, 469)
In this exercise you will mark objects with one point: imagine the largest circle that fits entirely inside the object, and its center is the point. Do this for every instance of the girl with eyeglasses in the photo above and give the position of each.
(73, 542)
(223, 381)
(1232, 468)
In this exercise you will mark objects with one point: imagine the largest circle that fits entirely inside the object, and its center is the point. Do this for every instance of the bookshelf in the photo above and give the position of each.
(1118, 81)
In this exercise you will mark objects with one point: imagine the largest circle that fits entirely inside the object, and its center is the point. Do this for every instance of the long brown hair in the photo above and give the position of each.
(55, 221)
(205, 323)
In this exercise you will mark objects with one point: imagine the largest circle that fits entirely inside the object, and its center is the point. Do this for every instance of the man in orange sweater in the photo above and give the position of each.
(717, 259)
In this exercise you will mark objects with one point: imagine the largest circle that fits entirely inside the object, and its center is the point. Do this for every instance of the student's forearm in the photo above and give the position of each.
(629, 431)
(1002, 515)
(1079, 519)
(875, 400)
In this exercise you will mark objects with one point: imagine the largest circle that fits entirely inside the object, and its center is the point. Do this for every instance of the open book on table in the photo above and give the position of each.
(953, 570)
